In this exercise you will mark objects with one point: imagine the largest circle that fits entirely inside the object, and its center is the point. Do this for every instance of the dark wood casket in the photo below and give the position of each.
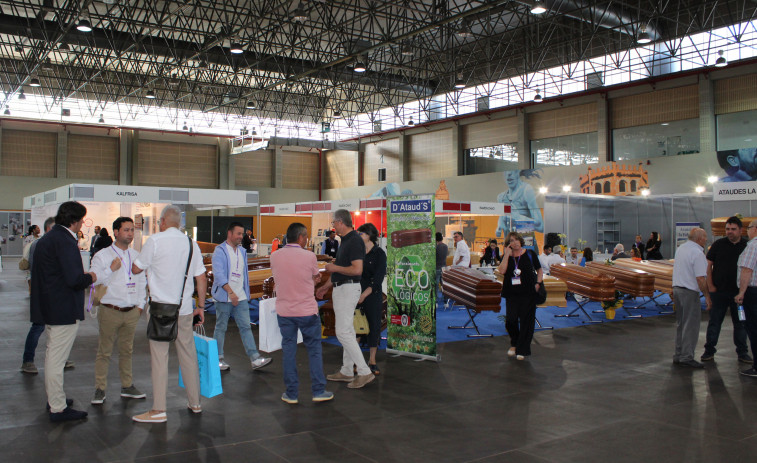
(582, 281)
(627, 280)
(717, 225)
(661, 270)
(469, 287)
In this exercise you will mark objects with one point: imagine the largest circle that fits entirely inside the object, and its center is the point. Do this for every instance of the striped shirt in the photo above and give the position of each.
(748, 259)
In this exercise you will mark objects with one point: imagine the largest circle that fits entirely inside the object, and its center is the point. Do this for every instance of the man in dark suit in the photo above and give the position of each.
(94, 239)
(57, 300)
(330, 245)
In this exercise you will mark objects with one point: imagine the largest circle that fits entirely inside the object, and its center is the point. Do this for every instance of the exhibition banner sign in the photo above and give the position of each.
(734, 191)
(682, 231)
(411, 276)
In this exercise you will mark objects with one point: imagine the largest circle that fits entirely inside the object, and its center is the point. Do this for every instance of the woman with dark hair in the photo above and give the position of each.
(374, 271)
(653, 247)
(103, 241)
(82, 241)
(588, 255)
(491, 254)
(522, 279)
(33, 234)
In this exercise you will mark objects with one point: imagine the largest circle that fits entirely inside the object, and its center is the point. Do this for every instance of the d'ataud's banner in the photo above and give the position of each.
(411, 276)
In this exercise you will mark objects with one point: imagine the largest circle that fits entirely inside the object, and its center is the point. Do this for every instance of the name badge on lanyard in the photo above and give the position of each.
(131, 288)
(235, 276)
(515, 281)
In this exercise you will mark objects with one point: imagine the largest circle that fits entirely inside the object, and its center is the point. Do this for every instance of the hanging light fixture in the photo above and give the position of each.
(464, 31)
(300, 15)
(644, 36)
(236, 48)
(537, 97)
(7, 111)
(64, 47)
(84, 26)
(459, 82)
(359, 67)
(538, 8)
(410, 121)
(250, 105)
(150, 94)
(337, 115)
(721, 61)
(101, 120)
(185, 128)
(34, 82)
(202, 65)
(407, 50)
(47, 65)
(21, 95)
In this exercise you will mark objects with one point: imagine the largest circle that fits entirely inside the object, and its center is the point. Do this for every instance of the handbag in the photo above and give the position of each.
(541, 294)
(162, 325)
(269, 332)
(207, 364)
(23, 264)
(360, 322)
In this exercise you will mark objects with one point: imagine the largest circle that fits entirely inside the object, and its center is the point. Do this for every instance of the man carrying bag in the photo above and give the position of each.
(173, 262)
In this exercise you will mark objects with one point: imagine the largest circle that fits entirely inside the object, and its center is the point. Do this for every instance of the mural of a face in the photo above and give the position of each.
(747, 160)
(512, 178)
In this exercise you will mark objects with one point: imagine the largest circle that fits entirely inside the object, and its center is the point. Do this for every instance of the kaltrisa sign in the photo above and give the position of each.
(734, 191)
(126, 193)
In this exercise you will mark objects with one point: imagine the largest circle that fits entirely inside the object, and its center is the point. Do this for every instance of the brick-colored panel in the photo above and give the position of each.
(29, 154)
(92, 157)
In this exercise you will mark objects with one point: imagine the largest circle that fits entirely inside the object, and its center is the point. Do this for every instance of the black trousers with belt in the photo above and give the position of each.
(520, 321)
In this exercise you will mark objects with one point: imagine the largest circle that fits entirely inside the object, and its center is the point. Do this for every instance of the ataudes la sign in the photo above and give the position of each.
(734, 191)
(410, 206)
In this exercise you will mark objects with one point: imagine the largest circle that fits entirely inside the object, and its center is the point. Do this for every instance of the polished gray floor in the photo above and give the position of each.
(601, 393)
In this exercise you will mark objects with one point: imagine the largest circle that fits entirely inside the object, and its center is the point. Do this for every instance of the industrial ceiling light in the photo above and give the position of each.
(101, 120)
(699, 189)
(300, 15)
(721, 61)
(359, 67)
(566, 188)
(644, 36)
(84, 26)
(645, 192)
(543, 190)
(21, 95)
(410, 121)
(150, 94)
(538, 8)
(236, 48)
(712, 179)
(250, 105)
(185, 128)
(464, 31)
(7, 111)
(337, 115)
(47, 65)
(459, 82)
(34, 82)
(63, 47)
(407, 50)
(537, 97)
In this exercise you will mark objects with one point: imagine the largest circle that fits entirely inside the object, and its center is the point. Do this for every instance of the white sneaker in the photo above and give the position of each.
(153, 416)
(511, 352)
(260, 362)
(223, 365)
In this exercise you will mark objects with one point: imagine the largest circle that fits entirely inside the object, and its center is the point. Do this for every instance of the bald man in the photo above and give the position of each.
(689, 279)
(748, 291)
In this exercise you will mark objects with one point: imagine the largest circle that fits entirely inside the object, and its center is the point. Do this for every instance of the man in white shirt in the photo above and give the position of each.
(689, 278)
(231, 291)
(462, 252)
(165, 256)
(543, 259)
(554, 257)
(119, 310)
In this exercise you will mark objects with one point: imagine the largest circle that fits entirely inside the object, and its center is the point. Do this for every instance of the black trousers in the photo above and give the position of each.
(372, 309)
(520, 321)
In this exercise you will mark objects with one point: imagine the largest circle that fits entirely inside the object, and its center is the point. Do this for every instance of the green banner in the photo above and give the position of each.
(411, 275)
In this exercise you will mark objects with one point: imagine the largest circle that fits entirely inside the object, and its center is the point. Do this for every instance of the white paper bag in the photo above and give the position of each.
(268, 324)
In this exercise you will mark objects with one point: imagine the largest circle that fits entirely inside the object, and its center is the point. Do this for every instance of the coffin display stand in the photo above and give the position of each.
(582, 281)
(631, 281)
(473, 291)
(662, 270)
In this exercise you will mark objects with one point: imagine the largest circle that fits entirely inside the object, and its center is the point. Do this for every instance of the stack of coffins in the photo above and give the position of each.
(718, 225)
(585, 283)
(627, 280)
(556, 290)
(661, 270)
(471, 288)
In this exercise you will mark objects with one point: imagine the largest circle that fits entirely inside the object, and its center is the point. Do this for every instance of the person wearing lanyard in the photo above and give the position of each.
(231, 291)
(119, 309)
(522, 278)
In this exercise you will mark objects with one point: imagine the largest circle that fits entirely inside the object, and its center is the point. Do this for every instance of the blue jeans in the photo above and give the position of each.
(32, 339)
(750, 310)
(241, 315)
(311, 336)
(722, 301)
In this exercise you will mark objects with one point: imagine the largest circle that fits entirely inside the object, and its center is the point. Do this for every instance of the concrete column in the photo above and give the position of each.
(124, 150)
(359, 164)
(524, 142)
(458, 147)
(134, 157)
(278, 167)
(404, 155)
(707, 127)
(225, 165)
(604, 139)
(62, 153)
(1, 148)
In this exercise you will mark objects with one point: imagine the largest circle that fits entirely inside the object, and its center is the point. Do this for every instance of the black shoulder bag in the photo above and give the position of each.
(163, 323)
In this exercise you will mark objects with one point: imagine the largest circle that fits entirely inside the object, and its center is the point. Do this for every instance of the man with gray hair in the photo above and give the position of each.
(619, 252)
(747, 296)
(554, 258)
(346, 272)
(689, 279)
(165, 255)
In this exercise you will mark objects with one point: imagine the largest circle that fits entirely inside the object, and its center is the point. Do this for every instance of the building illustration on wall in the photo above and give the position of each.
(615, 180)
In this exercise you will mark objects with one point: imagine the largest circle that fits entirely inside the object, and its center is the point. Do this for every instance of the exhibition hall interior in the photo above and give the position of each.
(474, 231)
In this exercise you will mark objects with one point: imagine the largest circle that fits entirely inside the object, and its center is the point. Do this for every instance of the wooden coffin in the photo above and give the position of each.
(402, 238)
(661, 270)
(471, 288)
(582, 281)
(556, 290)
(635, 282)
(718, 225)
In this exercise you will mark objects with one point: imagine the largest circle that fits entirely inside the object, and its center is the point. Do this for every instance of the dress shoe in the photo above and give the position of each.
(746, 358)
(69, 402)
(69, 414)
(691, 363)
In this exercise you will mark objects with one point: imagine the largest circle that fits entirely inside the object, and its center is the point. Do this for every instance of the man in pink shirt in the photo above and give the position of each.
(295, 272)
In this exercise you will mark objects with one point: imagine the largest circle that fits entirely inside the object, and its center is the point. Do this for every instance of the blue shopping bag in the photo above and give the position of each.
(207, 360)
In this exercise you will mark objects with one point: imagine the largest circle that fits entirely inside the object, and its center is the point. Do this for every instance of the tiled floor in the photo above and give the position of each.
(601, 393)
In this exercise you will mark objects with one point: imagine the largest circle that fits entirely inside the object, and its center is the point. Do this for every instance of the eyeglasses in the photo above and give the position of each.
(751, 226)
